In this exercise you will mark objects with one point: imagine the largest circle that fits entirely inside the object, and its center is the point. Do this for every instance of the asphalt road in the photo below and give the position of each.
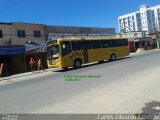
(32, 95)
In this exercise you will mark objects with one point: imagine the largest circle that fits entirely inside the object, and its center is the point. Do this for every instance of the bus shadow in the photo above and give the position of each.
(91, 64)
(151, 111)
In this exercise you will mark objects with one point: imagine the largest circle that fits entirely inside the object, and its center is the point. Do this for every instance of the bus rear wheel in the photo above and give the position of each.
(113, 57)
(77, 63)
(102, 61)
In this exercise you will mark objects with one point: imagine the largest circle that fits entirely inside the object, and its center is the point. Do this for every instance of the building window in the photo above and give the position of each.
(143, 34)
(95, 44)
(1, 35)
(76, 45)
(135, 34)
(37, 34)
(21, 34)
(86, 44)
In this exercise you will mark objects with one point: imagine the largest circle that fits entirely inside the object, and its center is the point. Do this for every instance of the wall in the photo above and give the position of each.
(6, 31)
(29, 28)
(79, 30)
(10, 37)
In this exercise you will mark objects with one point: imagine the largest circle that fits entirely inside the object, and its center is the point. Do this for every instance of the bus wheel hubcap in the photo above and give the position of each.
(78, 64)
(113, 57)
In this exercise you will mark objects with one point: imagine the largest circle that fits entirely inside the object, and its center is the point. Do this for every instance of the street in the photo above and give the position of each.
(123, 86)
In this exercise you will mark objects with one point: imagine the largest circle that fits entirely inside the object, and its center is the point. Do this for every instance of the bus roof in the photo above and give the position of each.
(77, 39)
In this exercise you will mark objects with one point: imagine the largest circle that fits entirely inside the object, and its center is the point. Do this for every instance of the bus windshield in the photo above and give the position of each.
(53, 51)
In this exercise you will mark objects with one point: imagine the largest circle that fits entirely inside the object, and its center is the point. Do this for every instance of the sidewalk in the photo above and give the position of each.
(143, 52)
(31, 74)
(50, 71)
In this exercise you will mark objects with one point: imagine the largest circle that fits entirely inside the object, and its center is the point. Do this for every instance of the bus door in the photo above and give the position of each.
(86, 47)
(66, 52)
(78, 51)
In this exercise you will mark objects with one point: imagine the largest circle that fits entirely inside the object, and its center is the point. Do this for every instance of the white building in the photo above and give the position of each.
(146, 19)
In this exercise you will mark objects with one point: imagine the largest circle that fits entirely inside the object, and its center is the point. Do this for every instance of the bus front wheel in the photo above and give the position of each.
(77, 63)
(102, 61)
(65, 68)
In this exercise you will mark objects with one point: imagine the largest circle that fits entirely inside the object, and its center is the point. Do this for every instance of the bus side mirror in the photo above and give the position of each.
(64, 46)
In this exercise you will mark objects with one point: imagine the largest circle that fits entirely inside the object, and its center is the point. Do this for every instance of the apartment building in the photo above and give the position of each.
(146, 19)
(132, 34)
(18, 33)
(5, 29)
(138, 39)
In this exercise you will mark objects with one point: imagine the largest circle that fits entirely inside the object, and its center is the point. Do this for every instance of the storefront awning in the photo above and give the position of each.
(10, 50)
(35, 47)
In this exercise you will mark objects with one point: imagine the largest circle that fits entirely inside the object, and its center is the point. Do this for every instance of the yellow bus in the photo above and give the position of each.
(73, 52)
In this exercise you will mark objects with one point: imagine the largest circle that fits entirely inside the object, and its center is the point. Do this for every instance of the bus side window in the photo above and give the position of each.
(76, 45)
(95, 44)
(104, 43)
(121, 42)
(117, 43)
(110, 43)
(125, 43)
(66, 48)
(101, 43)
(86, 44)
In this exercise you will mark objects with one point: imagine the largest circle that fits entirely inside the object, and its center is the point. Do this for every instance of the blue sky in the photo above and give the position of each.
(87, 13)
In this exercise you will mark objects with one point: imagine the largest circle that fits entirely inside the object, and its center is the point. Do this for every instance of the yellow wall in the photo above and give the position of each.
(10, 33)
(6, 29)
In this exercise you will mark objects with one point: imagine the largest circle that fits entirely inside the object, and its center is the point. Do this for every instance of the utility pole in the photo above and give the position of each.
(157, 44)
(157, 36)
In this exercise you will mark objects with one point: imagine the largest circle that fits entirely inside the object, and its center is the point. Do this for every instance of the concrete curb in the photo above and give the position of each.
(26, 74)
(143, 52)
